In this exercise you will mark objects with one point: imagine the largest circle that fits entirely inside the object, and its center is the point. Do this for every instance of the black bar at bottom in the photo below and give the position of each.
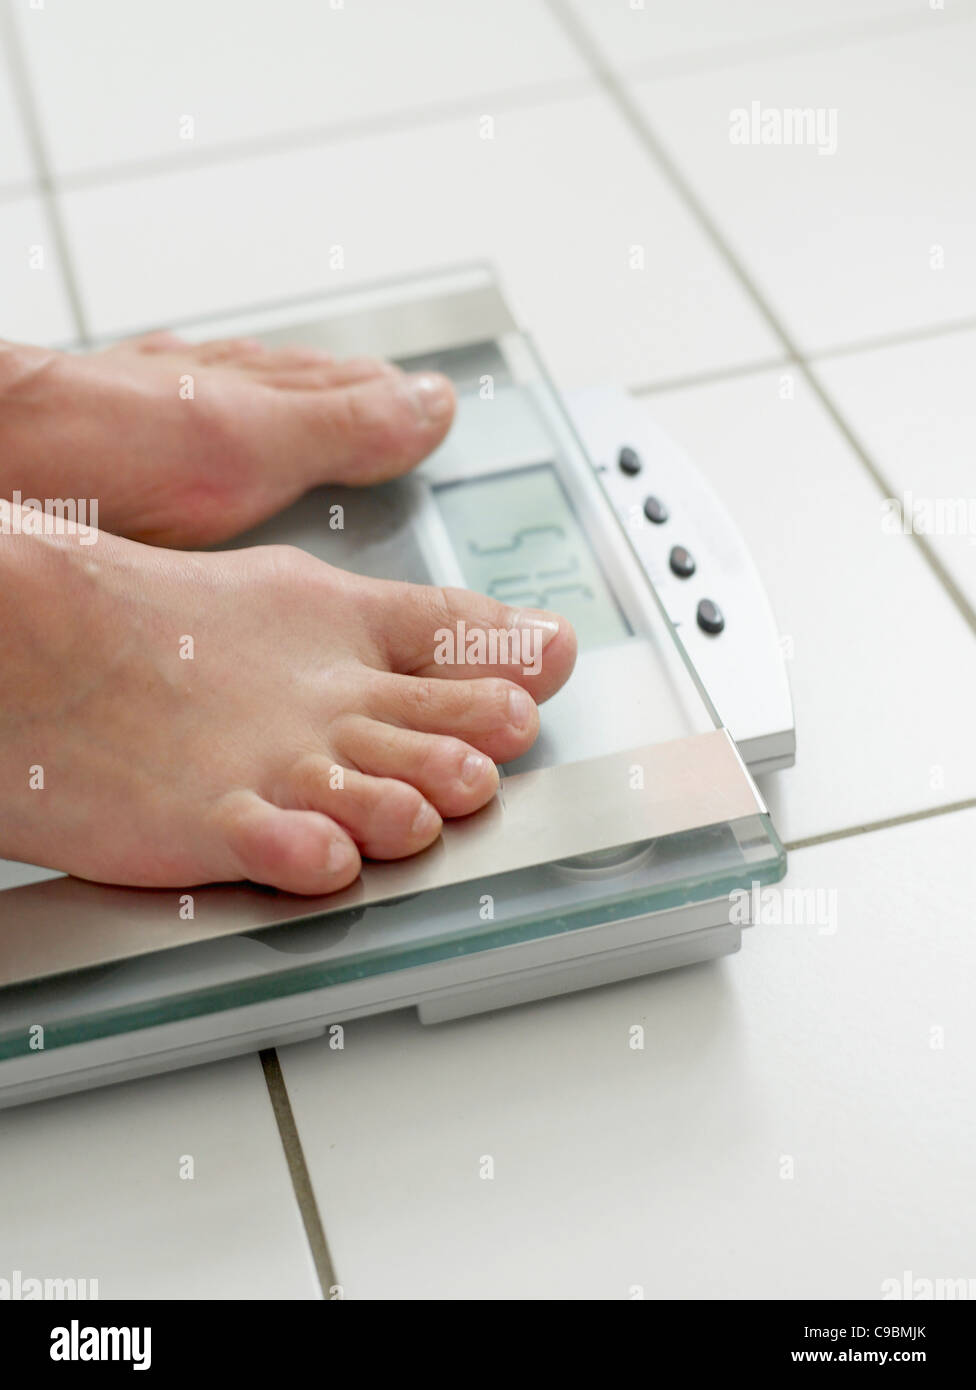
(168, 1340)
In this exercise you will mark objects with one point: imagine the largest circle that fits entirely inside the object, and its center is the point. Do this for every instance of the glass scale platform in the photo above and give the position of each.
(613, 846)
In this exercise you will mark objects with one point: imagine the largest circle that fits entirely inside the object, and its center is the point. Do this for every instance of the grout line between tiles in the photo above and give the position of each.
(909, 818)
(555, 89)
(711, 377)
(333, 132)
(901, 338)
(297, 1167)
(690, 64)
(641, 129)
(20, 80)
(922, 542)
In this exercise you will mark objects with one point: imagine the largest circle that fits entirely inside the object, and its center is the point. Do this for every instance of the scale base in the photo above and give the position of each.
(605, 969)
(445, 991)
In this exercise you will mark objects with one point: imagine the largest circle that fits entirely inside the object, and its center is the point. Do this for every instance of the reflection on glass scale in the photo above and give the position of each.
(511, 506)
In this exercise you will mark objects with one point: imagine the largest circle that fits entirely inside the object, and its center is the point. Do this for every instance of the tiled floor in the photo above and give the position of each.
(597, 200)
(175, 1187)
(667, 1168)
(804, 324)
(15, 163)
(872, 239)
(638, 35)
(244, 80)
(912, 406)
(31, 283)
(880, 660)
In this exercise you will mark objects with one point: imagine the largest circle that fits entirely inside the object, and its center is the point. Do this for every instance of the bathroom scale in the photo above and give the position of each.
(612, 848)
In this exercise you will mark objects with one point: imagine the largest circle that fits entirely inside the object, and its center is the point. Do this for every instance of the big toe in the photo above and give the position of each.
(160, 341)
(459, 635)
(368, 430)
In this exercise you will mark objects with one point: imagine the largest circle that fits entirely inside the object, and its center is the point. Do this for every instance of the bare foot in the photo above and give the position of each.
(187, 444)
(171, 719)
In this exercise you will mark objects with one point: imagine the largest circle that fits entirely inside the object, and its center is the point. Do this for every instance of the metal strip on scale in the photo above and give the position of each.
(537, 817)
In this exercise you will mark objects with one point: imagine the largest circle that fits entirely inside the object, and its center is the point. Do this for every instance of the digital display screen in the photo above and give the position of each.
(517, 539)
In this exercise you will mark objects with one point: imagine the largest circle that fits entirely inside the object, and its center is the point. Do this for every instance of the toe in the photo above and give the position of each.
(455, 634)
(312, 370)
(290, 368)
(162, 341)
(320, 374)
(495, 716)
(291, 358)
(451, 774)
(298, 851)
(356, 369)
(229, 350)
(368, 431)
(387, 819)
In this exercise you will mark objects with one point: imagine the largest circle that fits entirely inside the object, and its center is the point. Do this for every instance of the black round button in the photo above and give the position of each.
(629, 460)
(682, 562)
(710, 617)
(655, 510)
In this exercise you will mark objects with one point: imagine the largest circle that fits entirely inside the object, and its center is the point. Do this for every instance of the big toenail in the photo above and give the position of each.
(536, 620)
(432, 396)
(473, 769)
(340, 856)
(520, 707)
(425, 820)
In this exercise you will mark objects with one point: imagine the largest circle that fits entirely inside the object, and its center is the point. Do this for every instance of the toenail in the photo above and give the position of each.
(339, 857)
(425, 820)
(432, 396)
(473, 769)
(536, 620)
(520, 707)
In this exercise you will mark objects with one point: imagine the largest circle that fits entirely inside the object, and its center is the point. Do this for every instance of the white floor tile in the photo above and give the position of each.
(15, 163)
(913, 408)
(665, 1168)
(33, 305)
(557, 199)
(845, 245)
(92, 1189)
(883, 666)
(632, 33)
(116, 82)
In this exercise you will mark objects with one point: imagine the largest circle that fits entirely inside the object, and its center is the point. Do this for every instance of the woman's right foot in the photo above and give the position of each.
(173, 719)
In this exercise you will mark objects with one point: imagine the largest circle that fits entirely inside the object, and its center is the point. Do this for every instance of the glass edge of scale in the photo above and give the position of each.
(757, 859)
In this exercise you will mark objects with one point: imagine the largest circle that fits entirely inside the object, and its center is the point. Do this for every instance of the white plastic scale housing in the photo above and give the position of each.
(613, 846)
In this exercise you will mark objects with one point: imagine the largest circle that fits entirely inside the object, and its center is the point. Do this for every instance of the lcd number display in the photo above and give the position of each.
(517, 539)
